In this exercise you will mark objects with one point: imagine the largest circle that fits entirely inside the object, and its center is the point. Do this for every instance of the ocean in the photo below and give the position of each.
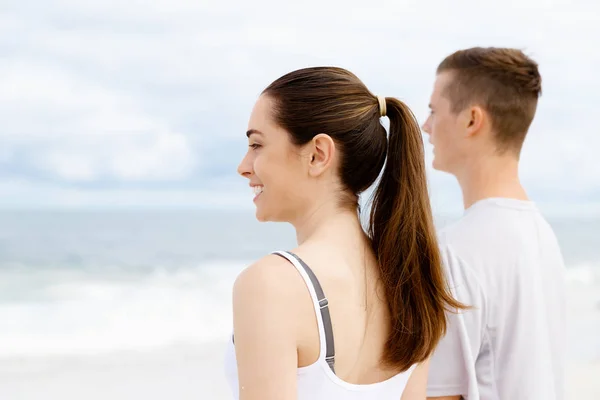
(93, 283)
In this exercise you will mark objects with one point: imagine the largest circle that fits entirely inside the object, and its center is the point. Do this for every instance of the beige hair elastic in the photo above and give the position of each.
(382, 106)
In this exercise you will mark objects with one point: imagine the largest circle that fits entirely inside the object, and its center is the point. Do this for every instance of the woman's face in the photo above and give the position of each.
(274, 166)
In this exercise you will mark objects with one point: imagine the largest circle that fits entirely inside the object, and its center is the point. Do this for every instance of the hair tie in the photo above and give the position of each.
(382, 106)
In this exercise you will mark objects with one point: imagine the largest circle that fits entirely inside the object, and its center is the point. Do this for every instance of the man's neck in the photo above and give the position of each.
(489, 177)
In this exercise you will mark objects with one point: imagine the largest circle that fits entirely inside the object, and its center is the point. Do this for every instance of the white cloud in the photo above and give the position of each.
(79, 130)
(138, 157)
(45, 99)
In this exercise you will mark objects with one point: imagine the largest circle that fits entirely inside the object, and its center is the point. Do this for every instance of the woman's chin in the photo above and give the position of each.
(261, 216)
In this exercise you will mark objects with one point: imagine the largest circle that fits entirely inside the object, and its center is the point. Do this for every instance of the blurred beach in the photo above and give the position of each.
(136, 304)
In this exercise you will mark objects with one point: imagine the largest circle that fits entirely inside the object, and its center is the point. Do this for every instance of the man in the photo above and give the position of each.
(502, 257)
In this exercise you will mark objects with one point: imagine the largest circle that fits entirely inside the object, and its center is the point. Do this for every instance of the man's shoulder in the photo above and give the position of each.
(481, 233)
(470, 247)
(461, 234)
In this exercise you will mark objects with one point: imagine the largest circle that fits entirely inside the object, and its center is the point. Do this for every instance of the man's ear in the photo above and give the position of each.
(475, 120)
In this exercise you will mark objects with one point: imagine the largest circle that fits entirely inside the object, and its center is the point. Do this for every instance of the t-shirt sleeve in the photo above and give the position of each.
(452, 365)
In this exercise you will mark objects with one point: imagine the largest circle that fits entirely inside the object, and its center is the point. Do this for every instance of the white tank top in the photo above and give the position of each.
(318, 380)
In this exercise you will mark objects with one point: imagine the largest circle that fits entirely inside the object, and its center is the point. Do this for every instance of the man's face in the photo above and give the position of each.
(446, 129)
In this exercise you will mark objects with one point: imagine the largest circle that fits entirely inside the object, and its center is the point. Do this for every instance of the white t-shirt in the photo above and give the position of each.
(503, 259)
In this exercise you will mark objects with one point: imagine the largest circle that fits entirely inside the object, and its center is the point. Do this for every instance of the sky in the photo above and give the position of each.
(108, 104)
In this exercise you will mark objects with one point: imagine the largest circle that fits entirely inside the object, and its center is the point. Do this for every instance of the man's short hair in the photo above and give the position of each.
(504, 81)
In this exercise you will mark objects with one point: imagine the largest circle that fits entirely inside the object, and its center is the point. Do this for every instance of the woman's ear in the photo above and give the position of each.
(321, 155)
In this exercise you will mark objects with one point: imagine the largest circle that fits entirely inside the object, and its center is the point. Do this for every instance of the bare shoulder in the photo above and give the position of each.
(265, 328)
(270, 278)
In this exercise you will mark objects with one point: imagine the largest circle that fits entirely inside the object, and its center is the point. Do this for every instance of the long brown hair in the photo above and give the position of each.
(335, 102)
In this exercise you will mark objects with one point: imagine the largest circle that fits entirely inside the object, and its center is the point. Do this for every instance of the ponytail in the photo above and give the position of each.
(404, 241)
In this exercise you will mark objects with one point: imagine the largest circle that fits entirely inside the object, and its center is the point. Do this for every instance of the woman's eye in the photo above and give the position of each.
(254, 145)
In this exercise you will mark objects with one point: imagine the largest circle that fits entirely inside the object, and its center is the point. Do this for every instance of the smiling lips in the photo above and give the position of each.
(257, 190)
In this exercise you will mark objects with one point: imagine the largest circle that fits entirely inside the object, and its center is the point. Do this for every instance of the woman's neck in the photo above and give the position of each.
(326, 220)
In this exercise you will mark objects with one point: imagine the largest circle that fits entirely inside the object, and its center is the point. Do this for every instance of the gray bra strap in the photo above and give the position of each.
(324, 307)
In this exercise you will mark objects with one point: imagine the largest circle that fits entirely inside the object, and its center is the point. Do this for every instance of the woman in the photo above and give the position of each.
(315, 143)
